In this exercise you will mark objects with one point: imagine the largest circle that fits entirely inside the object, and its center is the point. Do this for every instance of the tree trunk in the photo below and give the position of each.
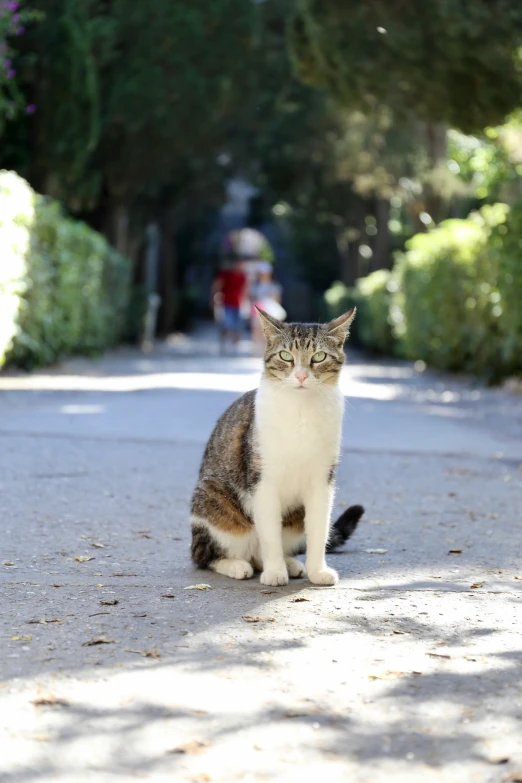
(381, 248)
(348, 258)
(436, 147)
(169, 272)
(121, 229)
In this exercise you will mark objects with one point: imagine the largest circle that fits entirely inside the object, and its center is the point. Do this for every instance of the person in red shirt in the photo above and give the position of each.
(230, 287)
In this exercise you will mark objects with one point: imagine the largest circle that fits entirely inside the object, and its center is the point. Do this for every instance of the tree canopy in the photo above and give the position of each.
(441, 60)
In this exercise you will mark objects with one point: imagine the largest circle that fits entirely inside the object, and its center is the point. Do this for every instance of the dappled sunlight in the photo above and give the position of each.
(240, 376)
(82, 410)
(362, 675)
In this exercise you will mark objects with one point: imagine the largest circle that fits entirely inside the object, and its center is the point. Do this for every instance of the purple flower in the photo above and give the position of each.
(19, 30)
(7, 64)
(11, 73)
(16, 17)
(13, 6)
(31, 108)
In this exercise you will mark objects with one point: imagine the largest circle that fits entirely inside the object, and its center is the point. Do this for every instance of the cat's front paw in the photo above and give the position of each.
(274, 576)
(295, 567)
(326, 576)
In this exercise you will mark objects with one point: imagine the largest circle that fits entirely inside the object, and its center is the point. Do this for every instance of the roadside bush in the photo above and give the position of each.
(374, 295)
(63, 288)
(338, 300)
(448, 305)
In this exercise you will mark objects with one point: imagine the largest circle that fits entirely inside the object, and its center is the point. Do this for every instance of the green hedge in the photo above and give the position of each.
(375, 297)
(63, 288)
(457, 304)
(372, 297)
(454, 298)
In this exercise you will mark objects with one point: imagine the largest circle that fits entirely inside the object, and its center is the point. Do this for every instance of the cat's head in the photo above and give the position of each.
(303, 356)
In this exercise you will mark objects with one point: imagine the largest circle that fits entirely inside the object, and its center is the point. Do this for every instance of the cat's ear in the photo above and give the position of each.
(340, 327)
(271, 326)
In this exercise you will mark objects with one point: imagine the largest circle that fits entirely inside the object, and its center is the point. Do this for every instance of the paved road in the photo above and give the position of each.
(409, 670)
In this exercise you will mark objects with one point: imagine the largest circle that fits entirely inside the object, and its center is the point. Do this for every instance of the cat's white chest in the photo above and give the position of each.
(298, 434)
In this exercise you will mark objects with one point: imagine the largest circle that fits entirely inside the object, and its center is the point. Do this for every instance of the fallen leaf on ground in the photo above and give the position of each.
(298, 599)
(83, 558)
(123, 574)
(56, 585)
(513, 777)
(256, 619)
(97, 614)
(268, 592)
(375, 551)
(49, 700)
(109, 602)
(21, 638)
(170, 595)
(144, 535)
(300, 713)
(398, 631)
(455, 552)
(198, 587)
(438, 655)
(8, 563)
(97, 640)
(392, 675)
(518, 577)
(97, 545)
(498, 759)
(193, 746)
(432, 576)
(152, 654)
(46, 620)
(140, 614)
(476, 585)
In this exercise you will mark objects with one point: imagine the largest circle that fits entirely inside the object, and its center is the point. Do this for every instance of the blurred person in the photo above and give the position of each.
(266, 294)
(228, 294)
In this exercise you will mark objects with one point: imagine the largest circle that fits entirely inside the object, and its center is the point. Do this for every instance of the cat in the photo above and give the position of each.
(266, 482)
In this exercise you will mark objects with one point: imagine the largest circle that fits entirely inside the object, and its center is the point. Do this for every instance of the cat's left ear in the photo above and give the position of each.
(271, 326)
(340, 327)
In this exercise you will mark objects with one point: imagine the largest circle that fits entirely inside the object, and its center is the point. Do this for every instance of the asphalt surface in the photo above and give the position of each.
(111, 670)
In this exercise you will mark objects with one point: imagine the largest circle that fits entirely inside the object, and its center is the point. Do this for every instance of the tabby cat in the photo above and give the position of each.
(266, 482)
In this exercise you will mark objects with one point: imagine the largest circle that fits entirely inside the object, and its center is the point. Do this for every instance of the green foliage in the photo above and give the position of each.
(374, 294)
(418, 58)
(458, 300)
(490, 164)
(13, 20)
(131, 95)
(338, 300)
(63, 289)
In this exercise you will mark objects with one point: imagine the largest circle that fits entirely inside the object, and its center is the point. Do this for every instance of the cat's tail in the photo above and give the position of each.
(344, 527)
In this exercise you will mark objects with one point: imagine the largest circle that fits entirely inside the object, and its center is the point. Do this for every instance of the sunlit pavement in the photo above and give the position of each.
(409, 670)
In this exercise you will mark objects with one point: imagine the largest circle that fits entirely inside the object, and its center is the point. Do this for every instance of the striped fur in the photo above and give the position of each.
(267, 474)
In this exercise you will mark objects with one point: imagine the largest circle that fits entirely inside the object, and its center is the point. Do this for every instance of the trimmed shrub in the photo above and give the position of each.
(372, 297)
(63, 288)
(447, 309)
(374, 294)
(338, 300)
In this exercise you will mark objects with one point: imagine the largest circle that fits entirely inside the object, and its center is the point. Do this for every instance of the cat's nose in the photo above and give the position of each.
(301, 375)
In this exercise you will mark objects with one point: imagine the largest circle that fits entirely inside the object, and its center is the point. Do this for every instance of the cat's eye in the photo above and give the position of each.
(286, 356)
(320, 356)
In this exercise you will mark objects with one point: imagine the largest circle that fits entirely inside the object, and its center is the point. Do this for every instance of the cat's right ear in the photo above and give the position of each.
(271, 326)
